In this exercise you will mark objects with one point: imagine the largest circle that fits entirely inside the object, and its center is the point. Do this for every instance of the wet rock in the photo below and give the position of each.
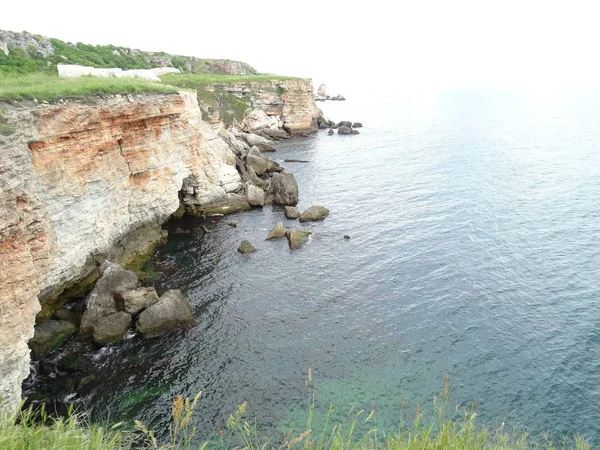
(331, 132)
(355, 131)
(50, 335)
(265, 148)
(232, 224)
(256, 180)
(296, 160)
(111, 328)
(284, 189)
(246, 247)
(357, 125)
(256, 196)
(139, 299)
(278, 231)
(276, 134)
(344, 130)
(346, 236)
(296, 238)
(74, 362)
(345, 123)
(69, 315)
(291, 212)
(101, 301)
(314, 213)
(204, 229)
(172, 311)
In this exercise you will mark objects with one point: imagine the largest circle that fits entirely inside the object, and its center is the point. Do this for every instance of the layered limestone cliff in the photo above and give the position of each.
(288, 103)
(81, 182)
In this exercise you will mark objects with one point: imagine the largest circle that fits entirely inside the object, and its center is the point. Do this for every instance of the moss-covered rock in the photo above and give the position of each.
(50, 335)
(246, 247)
(278, 231)
(111, 328)
(296, 238)
(314, 213)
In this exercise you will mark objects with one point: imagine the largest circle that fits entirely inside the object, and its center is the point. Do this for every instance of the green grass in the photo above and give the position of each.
(197, 81)
(43, 86)
(449, 430)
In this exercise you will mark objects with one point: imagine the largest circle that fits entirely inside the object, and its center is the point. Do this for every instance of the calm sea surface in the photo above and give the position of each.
(475, 255)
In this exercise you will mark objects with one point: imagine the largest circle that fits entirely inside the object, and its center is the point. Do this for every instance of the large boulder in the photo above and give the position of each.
(296, 238)
(357, 125)
(344, 130)
(172, 311)
(258, 119)
(111, 328)
(284, 189)
(254, 139)
(292, 212)
(345, 123)
(276, 134)
(137, 300)
(255, 179)
(256, 196)
(278, 231)
(314, 213)
(101, 301)
(50, 335)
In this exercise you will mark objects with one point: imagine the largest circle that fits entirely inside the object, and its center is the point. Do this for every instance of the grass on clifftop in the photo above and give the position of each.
(29, 430)
(44, 86)
(196, 81)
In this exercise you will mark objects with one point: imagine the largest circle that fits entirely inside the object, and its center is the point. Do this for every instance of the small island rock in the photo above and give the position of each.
(291, 212)
(278, 231)
(246, 247)
(314, 213)
(296, 238)
(344, 130)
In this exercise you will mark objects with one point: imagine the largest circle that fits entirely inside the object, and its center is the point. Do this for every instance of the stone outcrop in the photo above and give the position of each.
(170, 312)
(288, 103)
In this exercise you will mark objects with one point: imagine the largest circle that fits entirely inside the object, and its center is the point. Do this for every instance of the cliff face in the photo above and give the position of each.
(289, 101)
(76, 180)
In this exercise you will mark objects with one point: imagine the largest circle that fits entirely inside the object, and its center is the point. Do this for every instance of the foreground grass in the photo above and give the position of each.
(43, 86)
(29, 430)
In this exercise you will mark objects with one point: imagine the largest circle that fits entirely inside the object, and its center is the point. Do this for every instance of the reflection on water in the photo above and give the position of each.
(474, 255)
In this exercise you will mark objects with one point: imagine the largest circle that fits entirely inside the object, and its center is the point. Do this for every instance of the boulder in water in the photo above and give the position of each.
(111, 328)
(246, 247)
(296, 238)
(170, 312)
(292, 212)
(284, 189)
(256, 196)
(357, 125)
(314, 213)
(139, 299)
(101, 301)
(345, 123)
(344, 130)
(278, 231)
(50, 335)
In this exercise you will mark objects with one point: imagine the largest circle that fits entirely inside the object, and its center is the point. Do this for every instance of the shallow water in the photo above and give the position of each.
(474, 255)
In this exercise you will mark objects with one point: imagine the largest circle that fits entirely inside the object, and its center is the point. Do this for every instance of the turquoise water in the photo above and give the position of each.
(474, 255)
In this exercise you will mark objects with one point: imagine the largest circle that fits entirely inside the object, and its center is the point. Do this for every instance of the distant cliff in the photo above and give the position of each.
(25, 52)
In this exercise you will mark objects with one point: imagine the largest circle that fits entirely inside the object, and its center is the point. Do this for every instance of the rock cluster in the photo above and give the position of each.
(322, 96)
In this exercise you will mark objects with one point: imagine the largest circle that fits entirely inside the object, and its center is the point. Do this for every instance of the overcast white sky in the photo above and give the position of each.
(348, 45)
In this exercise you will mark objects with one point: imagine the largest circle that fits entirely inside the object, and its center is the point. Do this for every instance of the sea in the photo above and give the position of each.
(473, 260)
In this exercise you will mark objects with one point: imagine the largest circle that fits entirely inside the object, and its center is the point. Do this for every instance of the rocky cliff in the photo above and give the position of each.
(81, 182)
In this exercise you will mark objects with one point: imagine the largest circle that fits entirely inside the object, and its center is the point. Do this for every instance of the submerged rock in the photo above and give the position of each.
(246, 247)
(344, 130)
(278, 231)
(314, 213)
(284, 189)
(256, 196)
(172, 311)
(50, 335)
(296, 238)
(292, 212)
(101, 301)
(111, 328)
(136, 300)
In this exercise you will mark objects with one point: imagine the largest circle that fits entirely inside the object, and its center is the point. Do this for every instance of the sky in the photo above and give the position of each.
(364, 46)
